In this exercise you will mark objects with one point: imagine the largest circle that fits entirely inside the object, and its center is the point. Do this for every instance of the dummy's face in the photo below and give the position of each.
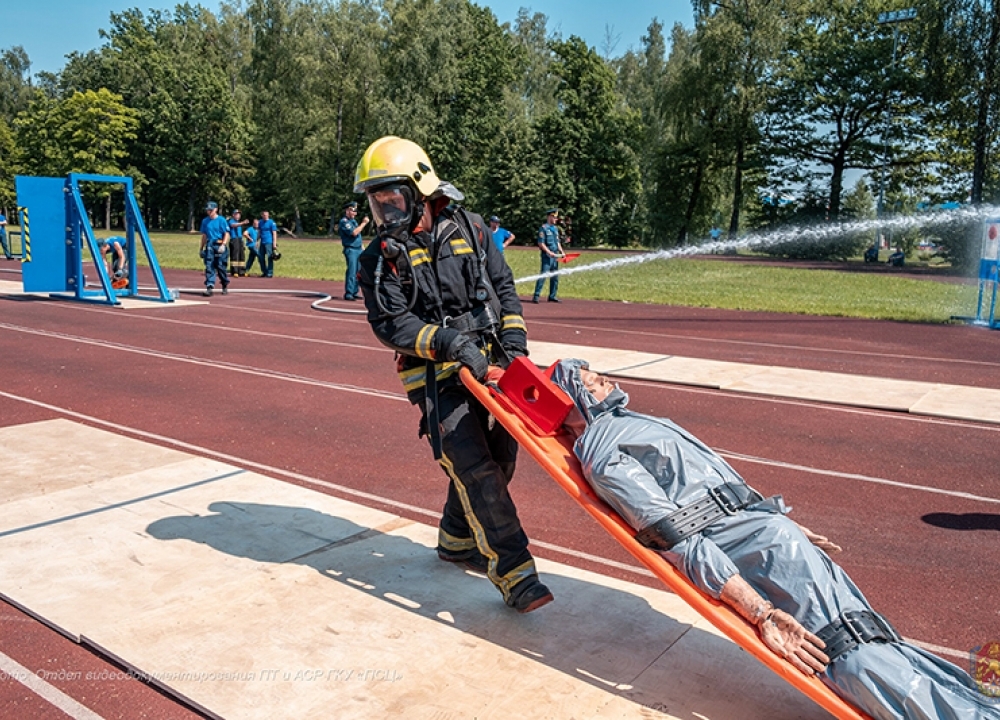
(597, 385)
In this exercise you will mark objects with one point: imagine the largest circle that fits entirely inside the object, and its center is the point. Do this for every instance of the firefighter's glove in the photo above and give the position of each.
(514, 342)
(203, 254)
(463, 350)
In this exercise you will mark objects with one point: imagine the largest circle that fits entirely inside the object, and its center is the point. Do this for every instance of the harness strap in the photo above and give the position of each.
(431, 406)
(478, 320)
(855, 628)
(726, 499)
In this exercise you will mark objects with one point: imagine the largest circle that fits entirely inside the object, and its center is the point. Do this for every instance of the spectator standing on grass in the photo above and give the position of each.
(502, 237)
(237, 263)
(350, 237)
(215, 248)
(267, 243)
(250, 236)
(3, 236)
(551, 248)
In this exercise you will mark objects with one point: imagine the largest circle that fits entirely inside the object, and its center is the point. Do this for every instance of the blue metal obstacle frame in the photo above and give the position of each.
(52, 249)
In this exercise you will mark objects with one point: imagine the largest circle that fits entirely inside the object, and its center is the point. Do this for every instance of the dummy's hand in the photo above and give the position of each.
(820, 541)
(463, 350)
(787, 638)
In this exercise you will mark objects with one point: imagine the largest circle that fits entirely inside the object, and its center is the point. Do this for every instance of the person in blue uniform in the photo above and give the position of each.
(267, 243)
(115, 248)
(3, 237)
(441, 296)
(501, 235)
(215, 248)
(746, 551)
(237, 261)
(551, 249)
(250, 236)
(350, 237)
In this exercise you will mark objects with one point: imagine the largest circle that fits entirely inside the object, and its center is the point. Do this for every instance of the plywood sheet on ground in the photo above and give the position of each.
(255, 598)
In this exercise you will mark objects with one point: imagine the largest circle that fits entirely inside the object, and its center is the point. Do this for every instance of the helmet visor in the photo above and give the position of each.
(392, 205)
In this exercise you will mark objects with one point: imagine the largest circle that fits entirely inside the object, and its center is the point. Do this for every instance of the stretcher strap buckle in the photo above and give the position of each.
(726, 499)
(854, 628)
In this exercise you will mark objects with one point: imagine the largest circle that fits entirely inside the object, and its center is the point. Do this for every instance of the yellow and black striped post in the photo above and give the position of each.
(25, 235)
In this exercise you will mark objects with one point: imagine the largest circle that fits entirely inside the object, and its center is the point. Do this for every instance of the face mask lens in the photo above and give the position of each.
(392, 205)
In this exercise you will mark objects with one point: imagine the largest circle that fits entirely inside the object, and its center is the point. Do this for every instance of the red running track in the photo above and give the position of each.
(300, 395)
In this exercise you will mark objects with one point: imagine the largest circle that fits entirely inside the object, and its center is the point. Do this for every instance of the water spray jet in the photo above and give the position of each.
(811, 234)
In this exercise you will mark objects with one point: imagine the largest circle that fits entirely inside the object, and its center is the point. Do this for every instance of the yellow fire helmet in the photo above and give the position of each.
(392, 159)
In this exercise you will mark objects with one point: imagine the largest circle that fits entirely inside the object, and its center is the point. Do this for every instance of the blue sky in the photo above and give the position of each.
(50, 29)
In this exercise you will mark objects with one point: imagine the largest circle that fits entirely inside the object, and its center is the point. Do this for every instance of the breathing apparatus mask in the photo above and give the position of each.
(397, 211)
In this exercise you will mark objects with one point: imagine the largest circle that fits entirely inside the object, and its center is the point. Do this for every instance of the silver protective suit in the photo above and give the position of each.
(646, 467)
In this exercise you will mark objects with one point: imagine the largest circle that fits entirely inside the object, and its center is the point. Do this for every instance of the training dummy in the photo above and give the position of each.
(754, 558)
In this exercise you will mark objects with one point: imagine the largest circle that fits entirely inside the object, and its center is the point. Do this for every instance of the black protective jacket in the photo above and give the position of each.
(446, 269)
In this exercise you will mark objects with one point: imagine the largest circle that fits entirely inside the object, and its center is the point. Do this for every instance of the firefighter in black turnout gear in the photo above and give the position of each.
(441, 295)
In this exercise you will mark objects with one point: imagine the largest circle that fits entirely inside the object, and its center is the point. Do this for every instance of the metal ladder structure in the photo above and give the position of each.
(52, 249)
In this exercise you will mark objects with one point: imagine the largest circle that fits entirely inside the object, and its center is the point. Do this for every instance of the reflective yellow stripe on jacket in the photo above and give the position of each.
(513, 322)
(424, 346)
(460, 246)
(416, 378)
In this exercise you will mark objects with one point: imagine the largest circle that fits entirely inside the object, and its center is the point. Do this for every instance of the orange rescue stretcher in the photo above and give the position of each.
(533, 408)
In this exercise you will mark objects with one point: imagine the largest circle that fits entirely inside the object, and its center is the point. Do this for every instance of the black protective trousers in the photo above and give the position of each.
(478, 456)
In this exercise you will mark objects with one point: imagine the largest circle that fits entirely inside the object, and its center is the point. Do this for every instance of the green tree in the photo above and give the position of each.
(535, 85)
(959, 44)
(588, 149)
(86, 132)
(16, 91)
(349, 35)
(745, 39)
(8, 167)
(193, 140)
(641, 79)
(692, 161)
(832, 94)
(285, 60)
(444, 66)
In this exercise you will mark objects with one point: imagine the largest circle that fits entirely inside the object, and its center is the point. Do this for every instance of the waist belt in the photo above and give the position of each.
(726, 499)
(854, 628)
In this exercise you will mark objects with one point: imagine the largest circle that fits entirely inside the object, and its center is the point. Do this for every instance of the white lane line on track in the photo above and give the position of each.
(698, 338)
(778, 346)
(854, 476)
(662, 385)
(669, 386)
(402, 398)
(817, 405)
(433, 514)
(50, 693)
(271, 374)
(215, 327)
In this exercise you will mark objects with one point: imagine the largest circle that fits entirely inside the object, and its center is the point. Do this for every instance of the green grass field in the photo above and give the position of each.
(692, 283)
